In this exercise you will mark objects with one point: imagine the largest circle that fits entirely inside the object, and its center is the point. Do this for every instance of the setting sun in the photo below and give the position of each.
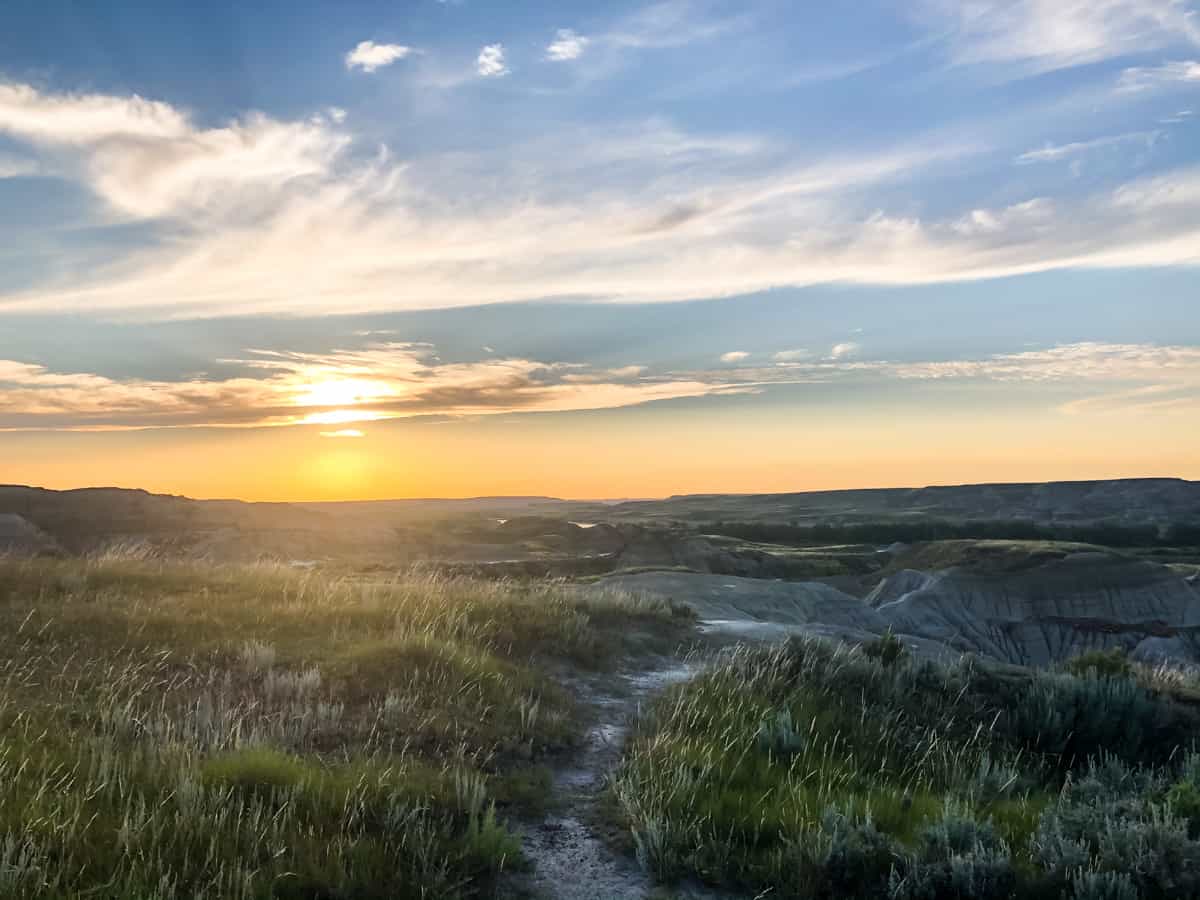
(343, 392)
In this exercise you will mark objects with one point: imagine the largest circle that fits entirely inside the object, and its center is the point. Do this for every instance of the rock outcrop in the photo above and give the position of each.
(1055, 610)
(1051, 606)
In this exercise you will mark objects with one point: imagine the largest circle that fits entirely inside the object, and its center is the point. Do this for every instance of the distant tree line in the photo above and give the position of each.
(1108, 535)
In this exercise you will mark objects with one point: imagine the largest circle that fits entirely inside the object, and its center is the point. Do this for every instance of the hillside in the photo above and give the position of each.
(80, 520)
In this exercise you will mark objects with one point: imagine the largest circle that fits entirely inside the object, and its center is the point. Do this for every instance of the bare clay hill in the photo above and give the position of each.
(1025, 603)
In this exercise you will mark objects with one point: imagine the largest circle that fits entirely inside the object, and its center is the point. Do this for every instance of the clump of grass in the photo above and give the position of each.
(887, 648)
(1112, 663)
(174, 730)
(814, 770)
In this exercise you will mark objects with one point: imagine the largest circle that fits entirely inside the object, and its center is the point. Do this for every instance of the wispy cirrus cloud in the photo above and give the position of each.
(665, 216)
(370, 56)
(1057, 152)
(1091, 361)
(1044, 35)
(1144, 78)
(669, 23)
(1111, 377)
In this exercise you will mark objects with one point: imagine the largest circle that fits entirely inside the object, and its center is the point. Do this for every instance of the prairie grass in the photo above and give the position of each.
(171, 730)
(815, 770)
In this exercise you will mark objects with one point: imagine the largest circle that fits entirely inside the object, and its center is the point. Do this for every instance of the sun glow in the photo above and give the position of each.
(343, 392)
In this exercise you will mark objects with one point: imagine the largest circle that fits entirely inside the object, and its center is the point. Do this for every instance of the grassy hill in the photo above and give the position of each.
(171, 730)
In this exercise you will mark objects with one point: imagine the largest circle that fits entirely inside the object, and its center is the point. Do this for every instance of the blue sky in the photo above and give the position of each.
(296, 216)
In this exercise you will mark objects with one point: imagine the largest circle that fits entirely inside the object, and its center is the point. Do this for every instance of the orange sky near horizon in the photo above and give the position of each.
(608, 456)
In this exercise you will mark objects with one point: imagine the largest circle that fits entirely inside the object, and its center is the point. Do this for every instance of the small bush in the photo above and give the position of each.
(854, 859)
(957, 856)
(887, 648)
(1112, 663)
(1184, 795)
(257, 770)
(1073, 719)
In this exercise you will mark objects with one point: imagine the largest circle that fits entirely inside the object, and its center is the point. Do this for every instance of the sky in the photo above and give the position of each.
(344, 250)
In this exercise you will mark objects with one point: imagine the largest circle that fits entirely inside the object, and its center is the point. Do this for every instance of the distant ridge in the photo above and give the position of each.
(85, 518)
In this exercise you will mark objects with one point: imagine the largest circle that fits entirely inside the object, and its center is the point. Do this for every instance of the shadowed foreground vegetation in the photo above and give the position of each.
(172, 730)
(816, 771)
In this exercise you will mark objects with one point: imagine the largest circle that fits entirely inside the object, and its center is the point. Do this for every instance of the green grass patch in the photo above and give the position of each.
(813, 770)
(171, 730)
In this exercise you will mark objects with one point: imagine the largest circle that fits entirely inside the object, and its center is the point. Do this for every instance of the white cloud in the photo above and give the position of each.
(369, 56)
(1142, 78)
(787, 356)
(147, 159)
(1044, 35)
(734, 356)
(490, 62)
(337, 115)
(82, 119)
(567, 45)
(675, 217)
(1056, 152)
(843, 350)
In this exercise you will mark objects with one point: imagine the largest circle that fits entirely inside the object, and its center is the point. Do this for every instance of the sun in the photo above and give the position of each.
(343, 392)
(340, 400)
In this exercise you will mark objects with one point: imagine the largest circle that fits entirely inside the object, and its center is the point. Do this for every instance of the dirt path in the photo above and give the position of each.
(571, 862)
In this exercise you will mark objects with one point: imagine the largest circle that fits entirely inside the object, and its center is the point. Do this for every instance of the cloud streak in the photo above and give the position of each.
(1038, 36)
(1058, 152)
(344, 388)
(380, 382)
(1144, 78)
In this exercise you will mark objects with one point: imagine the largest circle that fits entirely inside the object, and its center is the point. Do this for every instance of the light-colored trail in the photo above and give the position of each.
(571, 859)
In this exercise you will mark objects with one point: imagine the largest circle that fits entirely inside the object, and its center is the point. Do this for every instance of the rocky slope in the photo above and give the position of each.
(1034, 609)
(1084, 600)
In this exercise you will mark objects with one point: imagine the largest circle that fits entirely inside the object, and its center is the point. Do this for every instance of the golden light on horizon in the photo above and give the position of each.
(342, 417)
